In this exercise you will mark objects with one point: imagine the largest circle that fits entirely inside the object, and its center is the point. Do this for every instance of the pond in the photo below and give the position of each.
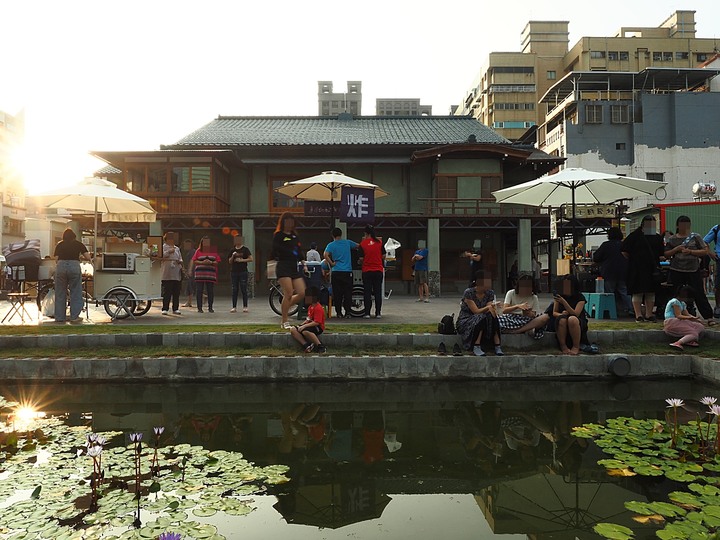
(391, 460)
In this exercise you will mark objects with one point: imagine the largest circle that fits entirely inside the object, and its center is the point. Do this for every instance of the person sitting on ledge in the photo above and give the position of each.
(678, 321)
(520, 311)
(569, 315)
(477, 321)
(307, 333)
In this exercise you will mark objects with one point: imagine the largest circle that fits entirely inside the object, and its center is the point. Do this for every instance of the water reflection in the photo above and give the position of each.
(358, 451)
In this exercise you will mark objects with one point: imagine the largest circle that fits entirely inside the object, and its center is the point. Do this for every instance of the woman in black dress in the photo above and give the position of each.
(643, 248)
(478, 318)
(286, 250)
(570, 319)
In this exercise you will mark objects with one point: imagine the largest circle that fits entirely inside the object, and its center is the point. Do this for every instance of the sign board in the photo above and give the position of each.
(590, 211)
(553, 225)
(357, 205)
(320, 209)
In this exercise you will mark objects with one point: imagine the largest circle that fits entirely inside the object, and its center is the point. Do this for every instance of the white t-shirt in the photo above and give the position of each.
(512, 298)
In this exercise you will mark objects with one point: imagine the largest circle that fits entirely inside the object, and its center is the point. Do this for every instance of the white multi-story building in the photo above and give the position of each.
(12, 188)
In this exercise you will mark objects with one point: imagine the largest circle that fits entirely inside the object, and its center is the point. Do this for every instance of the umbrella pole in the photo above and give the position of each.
(574, 242)
(95, 249)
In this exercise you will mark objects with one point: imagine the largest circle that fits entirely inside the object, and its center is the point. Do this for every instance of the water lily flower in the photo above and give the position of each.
(714, 410)
(159, 430)
(100, 440)
(91, 438)
(94, 451)
(136, 437)
(707, 400)
(674, 402)
(170, 536)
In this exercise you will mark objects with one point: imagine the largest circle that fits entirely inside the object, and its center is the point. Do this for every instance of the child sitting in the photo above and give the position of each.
(679, 323)
(307, 333)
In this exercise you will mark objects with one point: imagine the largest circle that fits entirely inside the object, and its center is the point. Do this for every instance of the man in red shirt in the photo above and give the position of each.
(307, 333)
(373, 269)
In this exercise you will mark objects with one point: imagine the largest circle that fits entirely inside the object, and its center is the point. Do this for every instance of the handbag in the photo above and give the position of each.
(22, 253)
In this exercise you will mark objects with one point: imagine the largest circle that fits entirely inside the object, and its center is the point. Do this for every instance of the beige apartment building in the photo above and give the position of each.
(506, 92)
(333, 103)
(401, 107)
(12, 188)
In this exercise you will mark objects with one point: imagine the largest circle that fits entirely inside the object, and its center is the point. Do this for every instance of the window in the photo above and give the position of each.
(135, 179)
(657, 176)
(157, 179)
(507, 88)
(280, 202)
(597, 54)
(682, 56)
(514, 69)
(702, 57)
(447, 187)
(613, 55)
(620, 146)
(187, 179)
(200, 178)
(620, 114)
(667, 56)
(657, 57)
(624, 55)
(593, 114)
(551, 75)
(488, 184)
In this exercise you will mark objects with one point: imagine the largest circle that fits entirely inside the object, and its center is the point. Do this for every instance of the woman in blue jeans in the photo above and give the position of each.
(68, 275)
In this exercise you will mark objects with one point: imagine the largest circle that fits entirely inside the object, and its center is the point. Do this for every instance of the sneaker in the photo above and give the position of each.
(457, 351)
(477, 351)
(211, 310)
(419, 300)
(245, 310)
(76, 320)
(287, 325)
(309, 348)
(366, 316)
(177, 312)
(321, 349)
(498, 351)
(187, 304)
(378, 316)
(427, 300)
(200, 310)
(347, 316)
(442, 350)
(233, 310)
(165, 312)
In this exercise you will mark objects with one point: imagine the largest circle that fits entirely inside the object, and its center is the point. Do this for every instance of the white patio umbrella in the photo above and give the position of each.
(577, 186)
(326, 186)
(98, 197)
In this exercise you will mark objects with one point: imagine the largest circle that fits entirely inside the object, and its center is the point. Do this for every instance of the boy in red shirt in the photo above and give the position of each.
(307, 333)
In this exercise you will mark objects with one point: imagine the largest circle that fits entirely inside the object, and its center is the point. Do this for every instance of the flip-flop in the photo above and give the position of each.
(677, 346)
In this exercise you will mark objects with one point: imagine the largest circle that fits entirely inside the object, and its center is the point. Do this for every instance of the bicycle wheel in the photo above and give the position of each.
(357, 301)
(275, 300)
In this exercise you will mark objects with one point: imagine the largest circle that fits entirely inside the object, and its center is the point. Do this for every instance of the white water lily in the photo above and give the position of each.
(714, 410)
(159, 430)
(674, 402)
(94, 451)
(708, 400)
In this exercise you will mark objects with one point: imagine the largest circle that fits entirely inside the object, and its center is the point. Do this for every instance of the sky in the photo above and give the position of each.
(133, 75)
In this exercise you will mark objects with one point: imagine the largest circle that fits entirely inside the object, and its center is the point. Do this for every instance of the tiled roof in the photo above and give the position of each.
(363, 130)
(107, 169)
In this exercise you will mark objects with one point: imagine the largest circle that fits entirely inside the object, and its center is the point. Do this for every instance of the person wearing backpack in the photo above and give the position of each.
(712, 236)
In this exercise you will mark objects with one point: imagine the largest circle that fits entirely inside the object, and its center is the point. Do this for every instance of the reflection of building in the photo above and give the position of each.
(12, 189)
(333, 103)
(401, 107)
(440, 173)
(506, 92)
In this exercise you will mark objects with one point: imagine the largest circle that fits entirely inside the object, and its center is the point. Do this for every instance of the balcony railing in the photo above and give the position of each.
(475, 207)
(191, 205)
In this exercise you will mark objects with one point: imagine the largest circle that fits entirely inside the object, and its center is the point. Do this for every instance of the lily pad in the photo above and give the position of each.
(613, 531)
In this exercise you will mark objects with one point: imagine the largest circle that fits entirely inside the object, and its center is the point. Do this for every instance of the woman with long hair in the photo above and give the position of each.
(68, 275)
(286, 250)
(478, 318)
(373, 269)
(569, 315)
(205, 262)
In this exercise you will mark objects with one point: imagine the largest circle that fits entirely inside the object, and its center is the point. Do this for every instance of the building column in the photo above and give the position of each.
(524, 246)
(248, 234)
(433, 246)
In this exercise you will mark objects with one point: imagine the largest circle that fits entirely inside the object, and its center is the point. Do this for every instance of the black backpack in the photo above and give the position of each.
(447, 325)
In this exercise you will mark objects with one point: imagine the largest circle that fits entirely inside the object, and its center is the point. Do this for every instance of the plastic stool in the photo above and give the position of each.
(601, 303)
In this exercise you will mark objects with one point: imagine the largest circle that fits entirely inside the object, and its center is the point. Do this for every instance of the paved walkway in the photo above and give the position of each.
(396, 310)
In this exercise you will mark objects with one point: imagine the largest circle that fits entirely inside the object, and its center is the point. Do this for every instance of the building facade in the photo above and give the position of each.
(658, 123)
(508, 88)
(12, 188)
(401, 107)
(333, 103)
(439, 172)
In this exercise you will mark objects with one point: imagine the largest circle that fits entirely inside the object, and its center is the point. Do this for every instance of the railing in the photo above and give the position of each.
(192, 205)
(475, 207)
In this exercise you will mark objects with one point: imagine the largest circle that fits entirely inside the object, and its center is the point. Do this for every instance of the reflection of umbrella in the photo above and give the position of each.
(585, 187)
(558, 507)
(326, 186)
(332, 505)
(98, 197)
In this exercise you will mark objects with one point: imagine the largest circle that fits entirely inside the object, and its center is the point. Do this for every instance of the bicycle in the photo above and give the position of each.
(276, 297)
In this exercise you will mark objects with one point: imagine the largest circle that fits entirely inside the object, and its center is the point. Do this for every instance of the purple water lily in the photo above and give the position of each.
(170, 536)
